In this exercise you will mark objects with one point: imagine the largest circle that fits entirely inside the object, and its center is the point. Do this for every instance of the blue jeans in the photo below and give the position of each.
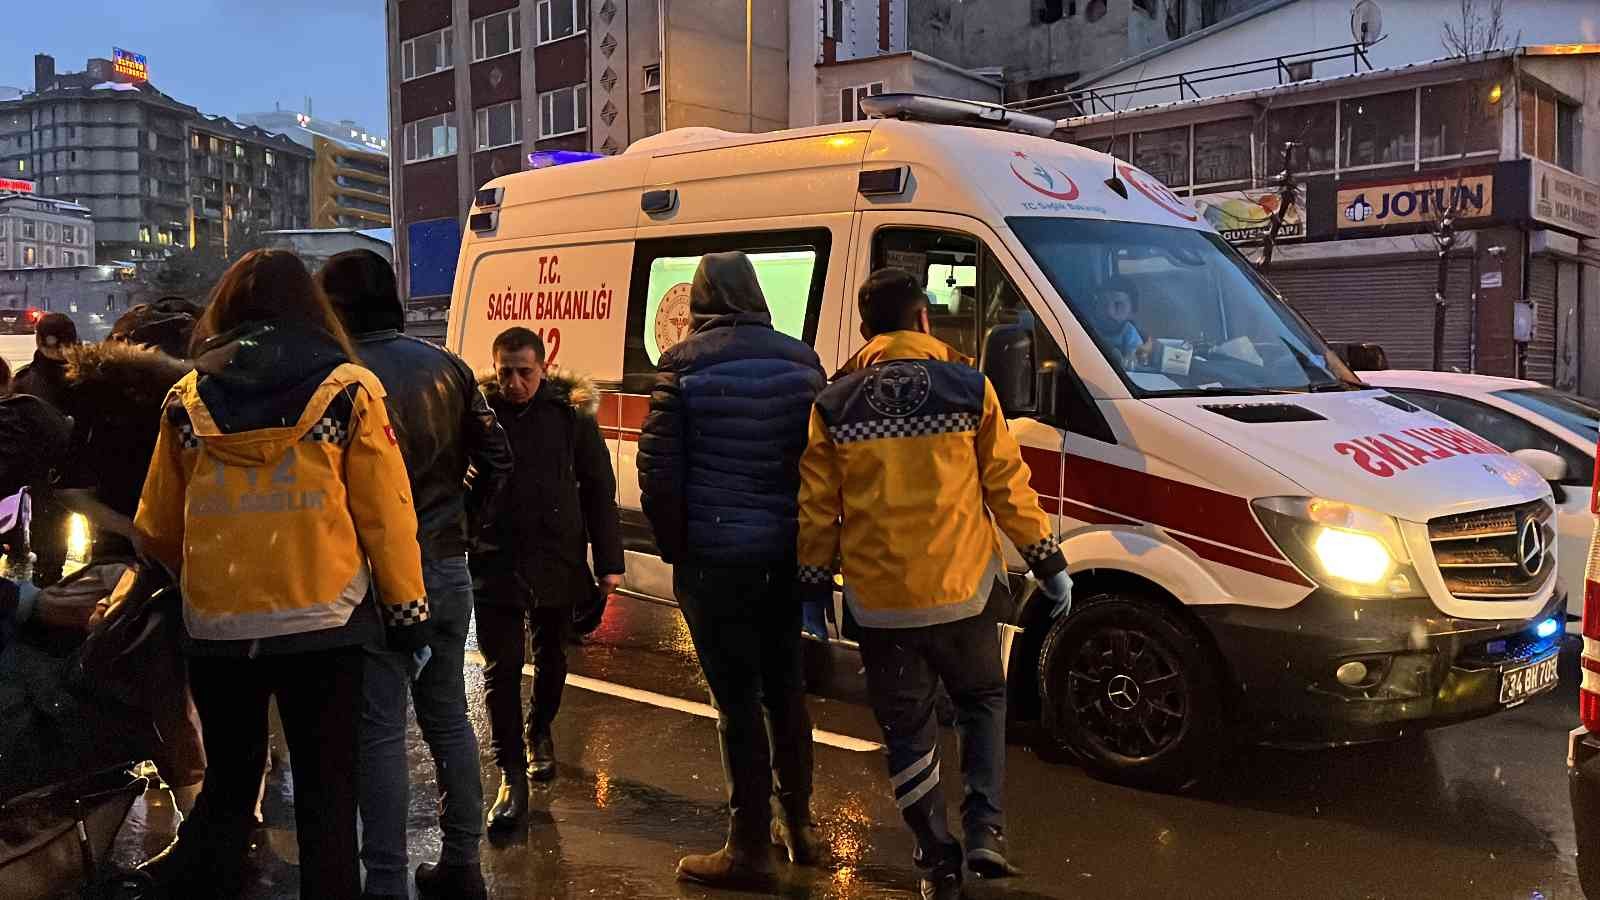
(440, 697)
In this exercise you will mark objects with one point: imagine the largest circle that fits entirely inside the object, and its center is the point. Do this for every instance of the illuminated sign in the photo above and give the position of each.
(132, 66)
(15, 186)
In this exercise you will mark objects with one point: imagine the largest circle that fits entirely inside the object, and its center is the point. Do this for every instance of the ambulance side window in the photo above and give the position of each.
(790, 265)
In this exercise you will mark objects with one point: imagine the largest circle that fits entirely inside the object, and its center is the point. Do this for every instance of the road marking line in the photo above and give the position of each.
(704, 710)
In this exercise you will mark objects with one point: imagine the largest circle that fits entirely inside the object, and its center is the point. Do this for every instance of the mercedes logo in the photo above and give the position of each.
(1123, 692)
(1530, 547)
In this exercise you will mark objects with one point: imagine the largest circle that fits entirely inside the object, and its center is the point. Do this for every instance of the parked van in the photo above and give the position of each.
(1262, 546)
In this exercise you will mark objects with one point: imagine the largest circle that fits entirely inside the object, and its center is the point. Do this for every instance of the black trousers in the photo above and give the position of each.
(745, 624)
(503, 640)
(319, 701)
(904, 667)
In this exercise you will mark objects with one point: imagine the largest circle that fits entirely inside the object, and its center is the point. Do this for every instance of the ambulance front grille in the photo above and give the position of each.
(1496, 554)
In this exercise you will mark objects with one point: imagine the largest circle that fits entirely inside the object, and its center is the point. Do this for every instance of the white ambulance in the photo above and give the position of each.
(1262, 546)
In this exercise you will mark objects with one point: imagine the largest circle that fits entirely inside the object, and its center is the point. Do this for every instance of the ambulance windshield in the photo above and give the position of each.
(1177, 311)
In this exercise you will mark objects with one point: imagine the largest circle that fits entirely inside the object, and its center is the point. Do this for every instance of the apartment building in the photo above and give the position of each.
(350, 170)
(41, 232)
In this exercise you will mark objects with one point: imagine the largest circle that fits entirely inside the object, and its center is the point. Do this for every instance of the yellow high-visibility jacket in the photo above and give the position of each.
(278, 531)
(909, 455)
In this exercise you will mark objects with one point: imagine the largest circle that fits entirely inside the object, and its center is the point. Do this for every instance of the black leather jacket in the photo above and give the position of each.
(443, 425)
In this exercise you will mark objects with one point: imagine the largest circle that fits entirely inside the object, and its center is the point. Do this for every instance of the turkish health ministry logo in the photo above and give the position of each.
(1047, 180)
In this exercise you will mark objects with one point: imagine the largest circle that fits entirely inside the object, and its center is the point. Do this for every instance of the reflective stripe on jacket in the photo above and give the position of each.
(909, 457)
(273, 529)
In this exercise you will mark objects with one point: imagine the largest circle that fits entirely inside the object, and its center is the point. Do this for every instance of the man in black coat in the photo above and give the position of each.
(46, 379)
(719, 467)
(560, 504)
(458, 460)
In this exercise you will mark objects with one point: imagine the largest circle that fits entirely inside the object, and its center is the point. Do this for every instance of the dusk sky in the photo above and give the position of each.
(224, 56)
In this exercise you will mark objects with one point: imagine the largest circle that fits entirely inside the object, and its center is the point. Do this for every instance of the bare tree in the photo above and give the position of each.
(1479, 32)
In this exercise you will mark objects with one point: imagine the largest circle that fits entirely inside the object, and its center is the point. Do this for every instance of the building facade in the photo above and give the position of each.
(476, 86)
(141, 161)
(350, 171)
(1507, 144)
(244, 176)
(94, 296)
(42, 233)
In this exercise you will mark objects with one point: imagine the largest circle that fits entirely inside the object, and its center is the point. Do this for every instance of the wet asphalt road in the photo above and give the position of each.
(1474, 810)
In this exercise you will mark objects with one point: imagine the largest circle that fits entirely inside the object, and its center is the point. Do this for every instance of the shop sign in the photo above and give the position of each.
(129, 65)
(16, 186)
(1564, 200)
(1415, 202)
(1245, 217)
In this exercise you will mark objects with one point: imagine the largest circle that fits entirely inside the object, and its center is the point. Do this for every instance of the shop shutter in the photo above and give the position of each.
(1389, 303)
(1541, 358)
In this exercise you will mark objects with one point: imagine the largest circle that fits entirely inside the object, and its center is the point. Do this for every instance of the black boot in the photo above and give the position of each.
(511, 804)
(184, 871)
(986, 852)
(940, 886)
(441, 882)
(743, 863)
(542, 759)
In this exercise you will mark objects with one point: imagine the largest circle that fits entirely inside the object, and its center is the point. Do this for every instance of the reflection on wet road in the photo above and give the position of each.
(1475, 810)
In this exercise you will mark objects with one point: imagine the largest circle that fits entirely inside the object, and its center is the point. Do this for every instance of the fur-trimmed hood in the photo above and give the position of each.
(116, 380)
(561, 385)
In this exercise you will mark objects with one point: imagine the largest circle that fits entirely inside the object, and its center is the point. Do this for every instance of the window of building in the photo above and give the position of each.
(1567, 136)
(1458, 118)
(194, 142)
(1549, 127)
(850, 100)
(1222, 153)
(3, 261)
(1164, 154)
(430, 138)
(111, 302)
(49, 231)
(790, 265)
(496, 35)
(652, 79)
(69, 234)
(28, 257)
(564, 111)
(49, 257)
(27, 229)
(559, 19)
(499, 126)
(425, 54)
(144, 234)
(1378, 130)
(833, 19)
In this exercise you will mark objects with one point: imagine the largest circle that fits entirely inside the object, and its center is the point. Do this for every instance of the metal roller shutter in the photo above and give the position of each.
(1541, 359)
(1388, 303)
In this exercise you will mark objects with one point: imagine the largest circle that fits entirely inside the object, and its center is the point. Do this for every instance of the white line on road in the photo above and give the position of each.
(704, 710)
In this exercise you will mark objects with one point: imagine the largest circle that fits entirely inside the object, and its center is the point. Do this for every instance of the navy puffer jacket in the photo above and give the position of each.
(719, 458)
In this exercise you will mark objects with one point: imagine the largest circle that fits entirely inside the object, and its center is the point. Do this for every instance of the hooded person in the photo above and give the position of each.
(278, 494)
(719, 469)
(165, 325)
(458, 459)
(557, 511)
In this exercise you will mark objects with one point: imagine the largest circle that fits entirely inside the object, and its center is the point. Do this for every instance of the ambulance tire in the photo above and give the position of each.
(1130, 689)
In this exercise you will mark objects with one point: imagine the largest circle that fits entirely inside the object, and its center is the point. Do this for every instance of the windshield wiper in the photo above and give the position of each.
(1219, 392)
(1331, 386)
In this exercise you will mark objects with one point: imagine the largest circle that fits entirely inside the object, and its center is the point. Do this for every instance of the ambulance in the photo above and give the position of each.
(1263, 547)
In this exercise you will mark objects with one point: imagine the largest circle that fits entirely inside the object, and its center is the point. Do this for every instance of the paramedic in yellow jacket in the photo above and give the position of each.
(278, 494)
(908, 459)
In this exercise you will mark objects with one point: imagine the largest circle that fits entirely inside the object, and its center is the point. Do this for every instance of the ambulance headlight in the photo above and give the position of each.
(1344, 547)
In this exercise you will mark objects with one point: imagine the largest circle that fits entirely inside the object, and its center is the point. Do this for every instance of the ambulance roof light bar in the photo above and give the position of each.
(946, 111)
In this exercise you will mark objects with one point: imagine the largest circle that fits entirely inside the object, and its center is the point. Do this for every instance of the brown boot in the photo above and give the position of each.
(793, 832)
(743, 864)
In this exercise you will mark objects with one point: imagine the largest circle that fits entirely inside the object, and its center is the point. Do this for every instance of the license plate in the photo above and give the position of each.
(1521, 682)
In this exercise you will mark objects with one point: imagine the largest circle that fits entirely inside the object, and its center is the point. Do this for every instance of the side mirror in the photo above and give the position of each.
(1550, 466)
(1009, 362)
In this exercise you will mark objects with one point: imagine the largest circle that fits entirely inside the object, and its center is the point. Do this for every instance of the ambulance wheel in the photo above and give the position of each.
(1129, 688)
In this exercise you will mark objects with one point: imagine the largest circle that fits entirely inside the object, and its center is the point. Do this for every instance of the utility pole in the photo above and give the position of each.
(749, 66)
(1445, 236)
(1286, 196)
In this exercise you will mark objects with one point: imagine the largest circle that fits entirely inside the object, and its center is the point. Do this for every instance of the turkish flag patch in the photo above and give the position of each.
(389, 430)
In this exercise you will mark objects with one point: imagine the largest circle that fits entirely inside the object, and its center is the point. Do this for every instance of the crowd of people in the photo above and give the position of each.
(337, 500)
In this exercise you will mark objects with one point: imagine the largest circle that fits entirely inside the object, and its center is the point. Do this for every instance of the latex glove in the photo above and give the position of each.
(419, 659)
(610, 583)
(814, 619)
(1058, 588)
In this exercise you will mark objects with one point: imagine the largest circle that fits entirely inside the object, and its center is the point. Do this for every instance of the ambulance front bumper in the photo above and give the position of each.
(1333, 670)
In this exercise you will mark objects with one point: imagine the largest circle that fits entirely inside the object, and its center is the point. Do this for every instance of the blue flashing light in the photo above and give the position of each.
(544, 159)
(1547, 628)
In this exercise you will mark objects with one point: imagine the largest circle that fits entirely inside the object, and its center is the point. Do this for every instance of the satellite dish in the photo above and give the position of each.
(1366, 22)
